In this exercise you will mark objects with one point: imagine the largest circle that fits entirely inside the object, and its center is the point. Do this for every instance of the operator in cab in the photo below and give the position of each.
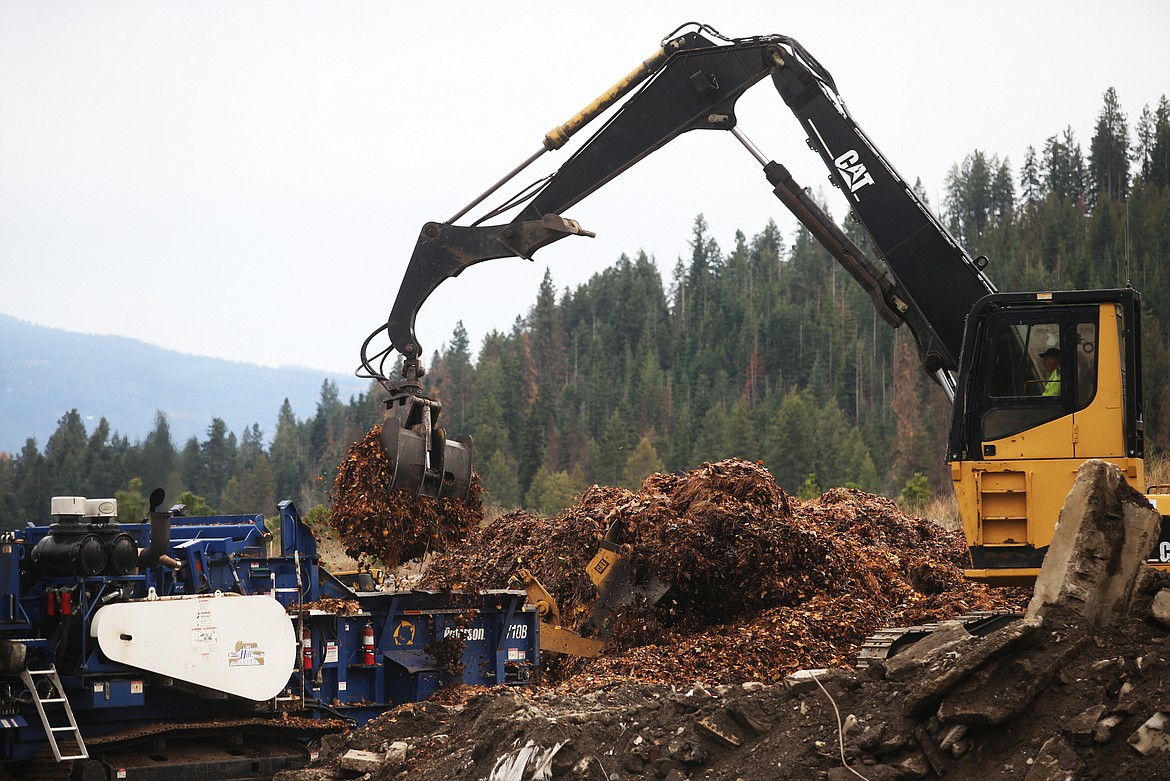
(1051, 358)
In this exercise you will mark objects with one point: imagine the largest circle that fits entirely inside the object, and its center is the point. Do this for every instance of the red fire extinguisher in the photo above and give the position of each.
(50, 602)
(368, 644)
(307, 650)
(66, 602)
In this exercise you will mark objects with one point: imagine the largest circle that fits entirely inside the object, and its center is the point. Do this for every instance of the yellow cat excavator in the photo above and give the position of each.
(1039, 381)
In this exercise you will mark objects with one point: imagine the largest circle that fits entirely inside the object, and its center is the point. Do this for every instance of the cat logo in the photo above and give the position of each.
(854, 171)
(404, 634)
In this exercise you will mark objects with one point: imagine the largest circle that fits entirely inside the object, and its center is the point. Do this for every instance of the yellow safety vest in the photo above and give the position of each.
(1052, 387)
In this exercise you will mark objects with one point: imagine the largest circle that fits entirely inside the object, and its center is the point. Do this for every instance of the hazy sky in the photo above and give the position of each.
(247, 179)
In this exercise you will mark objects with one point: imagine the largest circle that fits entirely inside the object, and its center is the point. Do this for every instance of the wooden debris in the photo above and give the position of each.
(342, 607)
(398, 527)
(761, 584)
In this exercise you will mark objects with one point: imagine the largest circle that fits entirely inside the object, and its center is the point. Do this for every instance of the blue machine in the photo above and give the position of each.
(183, 636)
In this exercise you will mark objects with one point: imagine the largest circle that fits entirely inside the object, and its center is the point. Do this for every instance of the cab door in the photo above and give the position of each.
(1015, 418)
(1099, 392)
(1024, 423)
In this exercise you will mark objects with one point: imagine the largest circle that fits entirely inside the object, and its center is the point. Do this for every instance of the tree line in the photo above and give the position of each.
(764, 350)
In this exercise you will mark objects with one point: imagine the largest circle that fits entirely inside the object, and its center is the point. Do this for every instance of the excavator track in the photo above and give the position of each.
(887, 642)
(220, 748)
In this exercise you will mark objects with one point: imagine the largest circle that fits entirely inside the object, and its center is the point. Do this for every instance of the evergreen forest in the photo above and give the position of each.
(761, 348)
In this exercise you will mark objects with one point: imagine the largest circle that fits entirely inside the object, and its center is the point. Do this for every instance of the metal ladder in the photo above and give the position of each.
(57, 697)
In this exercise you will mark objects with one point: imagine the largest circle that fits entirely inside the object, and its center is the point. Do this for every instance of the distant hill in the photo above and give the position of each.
(45, 372)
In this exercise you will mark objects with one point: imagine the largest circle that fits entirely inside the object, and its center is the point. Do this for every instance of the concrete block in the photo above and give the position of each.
(1105, 531)
(806, 680)
(396, 752)
(361, 761)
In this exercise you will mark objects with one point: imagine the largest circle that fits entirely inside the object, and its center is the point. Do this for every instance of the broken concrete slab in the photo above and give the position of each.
(1098, 548)
(1152, 737)
(953, 736)
(360, 761)
(396, 752)
(807, 680)
(926, 692)
(930, 751)
(914, 766)
(1002, 690)
(947, 639)
(882, 738)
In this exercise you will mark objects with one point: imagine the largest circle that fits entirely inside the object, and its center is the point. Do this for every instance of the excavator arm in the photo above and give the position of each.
(691, 83)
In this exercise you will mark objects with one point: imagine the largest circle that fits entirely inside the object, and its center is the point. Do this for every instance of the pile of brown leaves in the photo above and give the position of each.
(760, 584)
(341, 607)
(398, 527)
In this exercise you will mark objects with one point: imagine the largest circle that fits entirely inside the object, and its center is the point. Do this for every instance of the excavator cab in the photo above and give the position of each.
(1018, 437)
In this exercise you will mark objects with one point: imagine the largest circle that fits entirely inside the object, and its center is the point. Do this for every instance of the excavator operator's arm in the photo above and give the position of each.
(691, 83)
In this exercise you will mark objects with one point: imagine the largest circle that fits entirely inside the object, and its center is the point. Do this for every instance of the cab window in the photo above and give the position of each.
(1036, 370)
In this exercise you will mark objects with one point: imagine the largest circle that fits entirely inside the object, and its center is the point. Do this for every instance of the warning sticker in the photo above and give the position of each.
(203, 640)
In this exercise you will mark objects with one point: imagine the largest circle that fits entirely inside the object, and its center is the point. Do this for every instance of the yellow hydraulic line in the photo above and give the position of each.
(557, 137)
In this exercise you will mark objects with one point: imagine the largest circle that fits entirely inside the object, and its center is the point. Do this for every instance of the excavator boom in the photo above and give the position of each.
(691, 83)
(1013, 450)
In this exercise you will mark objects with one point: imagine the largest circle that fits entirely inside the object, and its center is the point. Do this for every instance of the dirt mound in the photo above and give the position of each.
(398, 527)
(760, 584)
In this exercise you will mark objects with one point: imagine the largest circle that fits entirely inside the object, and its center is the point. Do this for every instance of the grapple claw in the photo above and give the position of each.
(423, 462)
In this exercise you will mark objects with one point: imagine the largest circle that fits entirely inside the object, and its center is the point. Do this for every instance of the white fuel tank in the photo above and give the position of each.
(241, 645)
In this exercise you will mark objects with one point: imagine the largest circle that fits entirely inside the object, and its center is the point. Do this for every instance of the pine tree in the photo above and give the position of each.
(498, 473)
(287, 455)
(251, 447)
(326, 426)
(158, 454)
(102, 467)
(32, 491)
(1143, 144)
(1109, 153)
(132, 504)
(218, 462)
(789, 438)
(462, 380)
(65, 456)
(1031, 186)
(1160, 150)
(642, 463)
(1064, 167)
